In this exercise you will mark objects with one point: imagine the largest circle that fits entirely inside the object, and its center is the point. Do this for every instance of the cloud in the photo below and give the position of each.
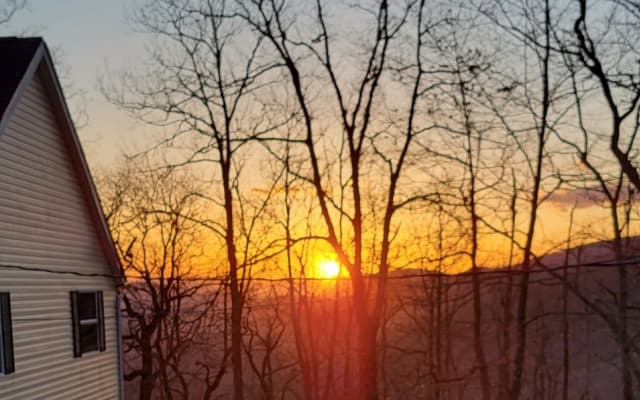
(587, 197)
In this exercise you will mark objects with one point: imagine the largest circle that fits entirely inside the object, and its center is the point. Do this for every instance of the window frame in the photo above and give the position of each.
(7, 360)
(2, 345)
(77, 322)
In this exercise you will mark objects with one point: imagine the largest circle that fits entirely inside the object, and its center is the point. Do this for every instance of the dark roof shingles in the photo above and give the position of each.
(15, 56)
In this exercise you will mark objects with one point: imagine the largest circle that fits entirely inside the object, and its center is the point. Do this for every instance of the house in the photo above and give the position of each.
(59, 271)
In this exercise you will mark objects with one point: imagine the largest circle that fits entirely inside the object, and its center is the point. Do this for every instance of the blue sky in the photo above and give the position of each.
(90, 35)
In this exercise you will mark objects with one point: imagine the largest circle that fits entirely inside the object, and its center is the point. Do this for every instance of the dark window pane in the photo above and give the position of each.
(6, 336)
(88, 337)
(87, 306)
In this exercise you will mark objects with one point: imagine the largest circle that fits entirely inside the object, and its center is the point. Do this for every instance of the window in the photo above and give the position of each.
(87, 315)
(6, 336)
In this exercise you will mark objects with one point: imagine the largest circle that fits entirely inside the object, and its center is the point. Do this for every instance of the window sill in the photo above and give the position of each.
(89, 354)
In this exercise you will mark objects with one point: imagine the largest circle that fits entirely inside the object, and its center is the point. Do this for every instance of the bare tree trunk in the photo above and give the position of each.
(146, 371)
(477, 297)
(236, 293)
(504, 337)
(622, 303)
(368, 364)
(565, 318)
(541, 137)
(472, 153)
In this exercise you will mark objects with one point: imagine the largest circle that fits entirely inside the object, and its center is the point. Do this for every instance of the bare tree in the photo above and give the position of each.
(539, 42)
(166, 305)
(204, 69)
(613, 69)
(366, 137)
(8, 8)
(611, 184)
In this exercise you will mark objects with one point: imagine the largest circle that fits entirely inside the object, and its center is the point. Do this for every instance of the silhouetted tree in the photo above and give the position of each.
(203, 69)
(167, 305)
(371, 145)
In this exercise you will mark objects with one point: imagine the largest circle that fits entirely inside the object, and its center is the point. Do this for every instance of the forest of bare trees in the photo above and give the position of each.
(472, 167)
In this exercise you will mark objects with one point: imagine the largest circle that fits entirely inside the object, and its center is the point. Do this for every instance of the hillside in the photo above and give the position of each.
(572, 328)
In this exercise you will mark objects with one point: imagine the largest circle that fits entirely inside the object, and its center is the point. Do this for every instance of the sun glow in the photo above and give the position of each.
(328, 269)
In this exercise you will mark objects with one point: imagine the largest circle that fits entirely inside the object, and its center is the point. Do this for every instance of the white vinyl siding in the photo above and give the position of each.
(46, 219)
(45, 222)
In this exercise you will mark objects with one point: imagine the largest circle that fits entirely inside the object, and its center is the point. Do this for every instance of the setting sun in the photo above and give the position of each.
(328, 269)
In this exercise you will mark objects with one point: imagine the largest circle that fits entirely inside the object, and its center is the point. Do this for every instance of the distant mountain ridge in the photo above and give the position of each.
(585, 254)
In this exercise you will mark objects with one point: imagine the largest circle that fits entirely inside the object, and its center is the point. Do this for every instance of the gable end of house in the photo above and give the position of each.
(26, 59)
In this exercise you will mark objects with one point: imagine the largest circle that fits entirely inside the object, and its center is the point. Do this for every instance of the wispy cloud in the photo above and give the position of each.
(587, 197)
